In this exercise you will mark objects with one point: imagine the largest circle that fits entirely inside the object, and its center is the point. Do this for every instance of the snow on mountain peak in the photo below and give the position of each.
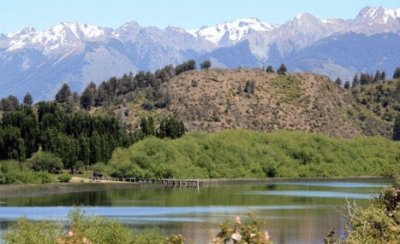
(379, 15)
(235, 30)
(78, 30)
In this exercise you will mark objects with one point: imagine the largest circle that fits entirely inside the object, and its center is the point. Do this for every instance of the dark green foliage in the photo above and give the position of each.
(282, 70)
(88, 96)
(28, 100)
(270, 69)
(21, 133)
(206, 64)
(396, 74)
(64, 94)
(9, 103)
(396, 129)
(72, 138)
(347, 85)
(338, 82)
(249, 88)
(147, 126)
(356, 80)
(186, 66)
(170, 127)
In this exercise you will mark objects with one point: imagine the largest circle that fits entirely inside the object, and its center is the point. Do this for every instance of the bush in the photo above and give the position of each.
(379, 222)
(84, 229)
(29, 232)
(13, 172)
(64, 178)
(45, 161)
(250, 154)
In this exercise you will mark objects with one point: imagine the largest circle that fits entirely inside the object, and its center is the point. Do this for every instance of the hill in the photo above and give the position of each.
(216, 99)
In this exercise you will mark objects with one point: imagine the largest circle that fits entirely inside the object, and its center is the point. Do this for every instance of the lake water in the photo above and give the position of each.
(294, 211)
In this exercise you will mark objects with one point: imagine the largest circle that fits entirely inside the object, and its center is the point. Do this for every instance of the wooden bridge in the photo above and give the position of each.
(165, 182)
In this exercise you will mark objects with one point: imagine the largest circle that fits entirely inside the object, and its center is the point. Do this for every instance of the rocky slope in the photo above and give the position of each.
(214, 100)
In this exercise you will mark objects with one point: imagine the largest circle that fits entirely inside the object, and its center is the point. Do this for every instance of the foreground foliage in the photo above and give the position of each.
(83, 230)
(241, 153)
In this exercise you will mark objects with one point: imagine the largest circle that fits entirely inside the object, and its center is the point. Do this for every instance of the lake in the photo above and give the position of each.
(294, 211)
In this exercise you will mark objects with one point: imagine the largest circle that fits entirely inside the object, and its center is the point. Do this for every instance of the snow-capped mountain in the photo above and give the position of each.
(234, 31)
(76, 53)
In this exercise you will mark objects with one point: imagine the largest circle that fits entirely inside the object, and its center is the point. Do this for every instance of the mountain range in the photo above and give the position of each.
(75, 53)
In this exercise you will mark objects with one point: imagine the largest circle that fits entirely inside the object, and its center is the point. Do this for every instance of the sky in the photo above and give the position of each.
(188, 14)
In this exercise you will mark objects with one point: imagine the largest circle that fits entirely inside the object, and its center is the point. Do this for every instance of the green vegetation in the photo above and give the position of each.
(377, 223)
(241, 153)
(63, 139)
(64, 178)
(289, 87)
(84, 229)
(13, 172)
(381, 98)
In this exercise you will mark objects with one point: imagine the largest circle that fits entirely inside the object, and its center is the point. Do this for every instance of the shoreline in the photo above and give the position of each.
(76, 180)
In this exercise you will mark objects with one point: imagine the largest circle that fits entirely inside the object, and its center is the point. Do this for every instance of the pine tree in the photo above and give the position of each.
(338, 82)
(64, 94)
(88, 95)
(282, 70)
(347, 85)
(270, 69)
(206, 64)
(396, 74)
(28, 100)
(396, 129)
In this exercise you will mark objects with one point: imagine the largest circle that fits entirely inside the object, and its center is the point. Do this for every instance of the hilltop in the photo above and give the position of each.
(216, 99)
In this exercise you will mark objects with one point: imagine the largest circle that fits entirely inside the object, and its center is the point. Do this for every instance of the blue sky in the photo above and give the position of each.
(41, 14)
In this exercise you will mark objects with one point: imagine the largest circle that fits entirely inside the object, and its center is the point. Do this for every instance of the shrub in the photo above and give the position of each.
(64, 178)
(45, 161)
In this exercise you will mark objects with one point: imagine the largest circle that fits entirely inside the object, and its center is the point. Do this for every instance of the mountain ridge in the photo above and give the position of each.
(103, 52)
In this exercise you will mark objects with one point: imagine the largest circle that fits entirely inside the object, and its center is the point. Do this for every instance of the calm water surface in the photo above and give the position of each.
(295, 211)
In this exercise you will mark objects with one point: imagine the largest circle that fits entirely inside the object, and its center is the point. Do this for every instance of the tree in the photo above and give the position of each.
(347, 85)
(28, 100)
(147, 126)
(396, 129)
(88, 95)
(170, 127)
(64, 94)
(356, 80)
(282, 70)
(9, 103)
(270, 69)
(396, 74)
(383, 76)
(338, 82)
(378, 76)
(186, 66)
(206, 64)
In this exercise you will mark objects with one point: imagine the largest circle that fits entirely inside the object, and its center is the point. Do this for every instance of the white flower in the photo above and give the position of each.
(70, 233)
(236, 236)
(238, 220)
(266, 234)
